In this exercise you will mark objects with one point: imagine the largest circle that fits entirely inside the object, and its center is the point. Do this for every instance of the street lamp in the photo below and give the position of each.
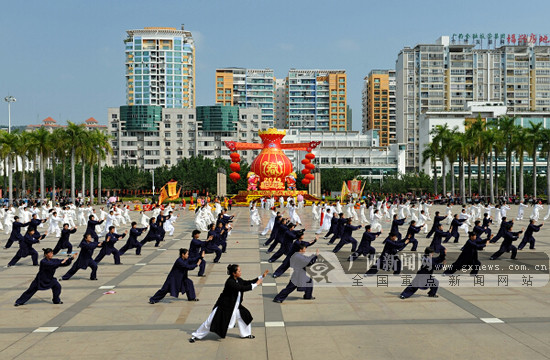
(9, 99)
(153, 171)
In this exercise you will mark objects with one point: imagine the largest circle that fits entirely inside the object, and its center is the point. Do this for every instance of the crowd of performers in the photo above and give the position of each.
(336, 223)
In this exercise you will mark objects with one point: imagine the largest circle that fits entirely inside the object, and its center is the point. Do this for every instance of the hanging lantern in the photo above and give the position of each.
(305, 181)
(235, 176)
(236, 167)
(305, 171)
(234, 155)
(310, 176)
(310, 156)
(310, 166)
(305, 161)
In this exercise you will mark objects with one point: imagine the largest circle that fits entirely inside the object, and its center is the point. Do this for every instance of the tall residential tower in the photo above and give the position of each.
(379, 105)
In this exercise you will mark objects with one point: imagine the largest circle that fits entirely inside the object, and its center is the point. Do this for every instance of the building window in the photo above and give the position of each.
(114, 116)
(167, 143)
(167, 125)
(191, 116)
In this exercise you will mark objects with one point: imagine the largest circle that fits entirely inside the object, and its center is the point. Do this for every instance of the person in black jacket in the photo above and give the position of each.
(437, 220)
(229, 310)
(15, 234)
(424, 277)
(90, 228)
(25, 248)
(63, 242)
(528, 236)
(506, 246)
(109, 248)
(339, 229)
(177, 280)
(132, 241)
(388, 259)
(44, 280)
(468, 258)
(87, 247)
(365, 247)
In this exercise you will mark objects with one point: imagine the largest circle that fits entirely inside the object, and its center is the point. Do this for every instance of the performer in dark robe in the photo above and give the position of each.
(468, 258)
(504, 226)
(153, 234)
(90, 228)
(286, 244)
(229, 309)
(455, 224)
(196, 248)
(15, 234)
(487, 221)
(339, 229)
(132, 242)
(388, 259)
(274, 231)
(25, 248)
(424, 277)
(396, 223)
(87, 247)
(347, 237)
(365, 247)
(528, 236)
(177, 281)
(507, 246)
(279, 237)
(45, 279)
(437, 220)
(438, 239)
(63, 242)
(299, 279)
(109, 248)
(333, 225)
(296, 246)
(411, 233)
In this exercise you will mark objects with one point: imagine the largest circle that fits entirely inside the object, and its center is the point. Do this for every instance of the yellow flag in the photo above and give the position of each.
(163, 195)
(172, 185)
(345, 191)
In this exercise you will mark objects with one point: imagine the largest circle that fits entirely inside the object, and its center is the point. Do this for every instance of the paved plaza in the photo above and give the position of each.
(344, 322)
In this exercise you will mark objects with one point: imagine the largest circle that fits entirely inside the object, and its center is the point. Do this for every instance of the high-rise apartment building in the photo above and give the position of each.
(378, 98)
(447, 76)
(247, 88)
(317, 100)
(160, 67)
(281, 108)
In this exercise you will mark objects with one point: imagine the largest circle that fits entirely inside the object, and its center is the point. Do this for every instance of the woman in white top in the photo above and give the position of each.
(375, 222)
(254, 215)
(293, 214)
(362, 211)
(314, 211)
(535, 214)
(144, 219)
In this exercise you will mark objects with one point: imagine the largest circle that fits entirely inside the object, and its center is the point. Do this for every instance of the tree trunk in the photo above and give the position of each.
(42, 185)
(99, 197)
(63, 172)
(73, 185)
(91, 182)
(535, 174)
(434, 167)
(491, 182)
(479, 182)
(462, 179)
(485, 175)
(496, 176)
(452, 171)
(5, 173)
(444, 175)
(508, 172)
(470, 175)
(521, 178)
(83, 178)
(35, 168)
(23, 178)
(10, 180)
(54, 192)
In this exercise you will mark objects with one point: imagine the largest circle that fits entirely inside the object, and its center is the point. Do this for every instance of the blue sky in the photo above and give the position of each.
(65, 59)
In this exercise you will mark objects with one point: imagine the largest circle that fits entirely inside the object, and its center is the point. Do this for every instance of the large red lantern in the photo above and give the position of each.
(310, 176)
(234, 156)
(310, 156)
(310, 166)
(305, 181)
(235, 176)
(305, 161)
(236, 167)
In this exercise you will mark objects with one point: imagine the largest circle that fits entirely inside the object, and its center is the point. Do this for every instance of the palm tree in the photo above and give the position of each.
(506, 125)
(441, 133)
(477, 130)
(431, 152)
(9, 148)
(459, 144)
(24, 146)
(520, 145)
(103, 148)
(545, 140)
(74, 136)
(43, 143)
(534, 138)
(84, 153)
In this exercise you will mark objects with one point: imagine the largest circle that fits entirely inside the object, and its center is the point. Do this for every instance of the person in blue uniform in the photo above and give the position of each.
(528, 236)
(132, 242)
(196, 249)
(286, 244)
(507, 246)
(26, 249)
(339, 229)
(468, 258)
(411, 233)
(177, 281)
(455, 224)
(274, 231)
(440, 234)
(365, 247)
(33, 224)
(15, 234)
(153, 234)
(424, 276)
(347, 237)
(109, 248)
(229, 309)
(45, 279)
(63, 242)
(84, 260)
(333, 225)
(396, 223)
(487, 221)
(90, 228)
(504, 226)
(299, 279)
(279, 237)
(296, 246)
(388, 259)
(437, 220)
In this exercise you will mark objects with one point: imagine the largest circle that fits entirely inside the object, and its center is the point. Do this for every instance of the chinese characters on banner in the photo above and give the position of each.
(493, 40)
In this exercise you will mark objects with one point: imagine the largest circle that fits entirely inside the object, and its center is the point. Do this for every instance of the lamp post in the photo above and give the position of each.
(9, 99)
(153, 171)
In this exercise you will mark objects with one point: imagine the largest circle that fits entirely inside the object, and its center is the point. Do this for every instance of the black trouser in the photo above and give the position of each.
(56, 291)
(501, 251)
(103, 252)
(530, 240)
(290, 288)
(127, 247)
(362, 251)
(9, 243)
(216, 250)
(410, 290)
(344, 242)
(67, 246)
(92, 264)
(32, 253)
(396, 263)
(193, 258)
(165, 289)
